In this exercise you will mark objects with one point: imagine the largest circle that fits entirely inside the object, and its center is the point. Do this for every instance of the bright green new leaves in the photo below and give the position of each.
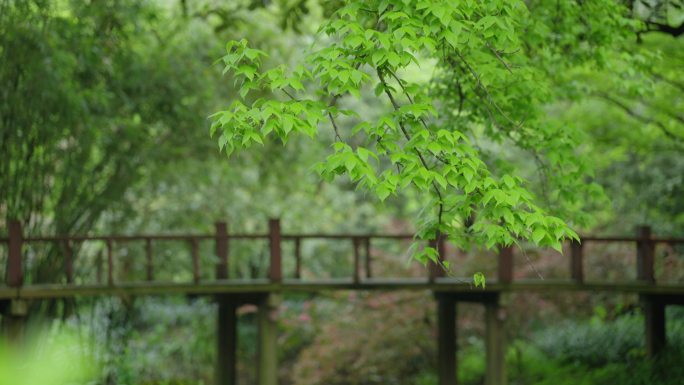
(447, 138)
(479, 280)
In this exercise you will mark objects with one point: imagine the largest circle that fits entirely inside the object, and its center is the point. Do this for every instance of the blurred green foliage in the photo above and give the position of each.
(50, 358)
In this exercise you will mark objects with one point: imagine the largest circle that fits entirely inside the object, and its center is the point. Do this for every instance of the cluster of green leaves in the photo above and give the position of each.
(487, 84)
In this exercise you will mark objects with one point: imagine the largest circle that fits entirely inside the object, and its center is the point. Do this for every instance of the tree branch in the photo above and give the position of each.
(337, 131)
(665, 28)
(396, 107)
(627, 109)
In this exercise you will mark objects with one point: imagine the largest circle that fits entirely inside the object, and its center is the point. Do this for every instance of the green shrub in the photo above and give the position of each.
(535, 368)
(599, 342)
(594, 343)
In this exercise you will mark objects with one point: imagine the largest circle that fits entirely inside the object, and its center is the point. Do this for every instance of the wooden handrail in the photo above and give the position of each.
(292, 237)
(645, 245)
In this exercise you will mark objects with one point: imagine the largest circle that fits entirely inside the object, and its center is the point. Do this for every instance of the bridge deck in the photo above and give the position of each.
(450, 285)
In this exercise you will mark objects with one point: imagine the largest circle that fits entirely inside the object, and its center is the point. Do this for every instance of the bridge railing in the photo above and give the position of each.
(361, 246)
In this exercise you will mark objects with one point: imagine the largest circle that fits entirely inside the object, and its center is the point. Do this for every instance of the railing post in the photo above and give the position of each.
(222, 249)
(275, 268)
(15, 274)
(367, 247)
(576, 265)
(645, 255)
(506, 264)
(357, 259)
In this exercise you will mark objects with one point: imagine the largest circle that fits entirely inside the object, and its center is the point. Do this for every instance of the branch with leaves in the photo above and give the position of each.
(425, 138)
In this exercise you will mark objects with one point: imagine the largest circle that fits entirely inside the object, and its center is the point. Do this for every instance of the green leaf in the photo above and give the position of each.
(538, 234)
(508, 181)
(382, 192)
(479, 280)
(393, 59)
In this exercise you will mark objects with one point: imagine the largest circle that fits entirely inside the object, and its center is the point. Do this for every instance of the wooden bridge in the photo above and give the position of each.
(16, 291)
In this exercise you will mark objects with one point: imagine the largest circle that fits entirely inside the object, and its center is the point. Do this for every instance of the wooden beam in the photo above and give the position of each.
(654, 324)
(446, 339)
(495, 371)
(268, 341)
(226, 330)
(453, 286)
(475, 296)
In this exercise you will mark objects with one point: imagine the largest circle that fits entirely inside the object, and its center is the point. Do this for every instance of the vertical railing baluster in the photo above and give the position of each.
(367, 247)
(110, 262)
(356, 242)
(194, 246)
(222, 250)
(68, 262)
(98, 267)
(148, 259)
(576, 263)
(298, 257)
